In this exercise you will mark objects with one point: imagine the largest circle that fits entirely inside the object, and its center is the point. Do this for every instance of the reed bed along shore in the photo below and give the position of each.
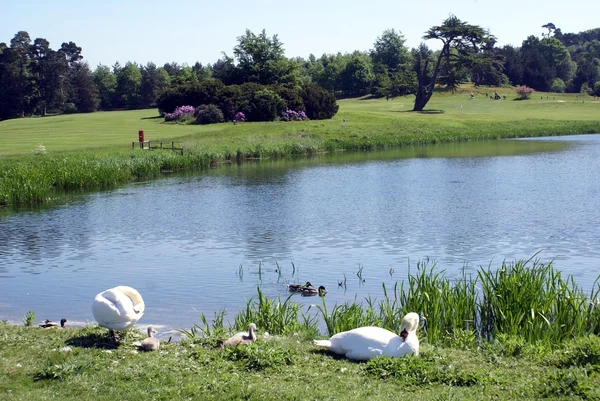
(522, 331)
(43, 157)
(527, 299)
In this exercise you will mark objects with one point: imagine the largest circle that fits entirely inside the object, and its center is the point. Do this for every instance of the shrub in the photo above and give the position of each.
(318, 102)
(292, 98)
(585, 89)
(208, 114)
(292, 115)
(69, 108)
(179, 113)
(597, 89)
(558, 86)
(206, 92)
(524, 91)
(263, 105)
(230, 101)
(239, 117)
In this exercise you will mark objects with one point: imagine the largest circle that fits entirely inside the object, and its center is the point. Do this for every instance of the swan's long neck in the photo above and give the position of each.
(251, 333)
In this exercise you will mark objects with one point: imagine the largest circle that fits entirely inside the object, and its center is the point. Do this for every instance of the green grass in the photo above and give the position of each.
(284, 368)
(369, 123)
(42, 157)
(506, 363)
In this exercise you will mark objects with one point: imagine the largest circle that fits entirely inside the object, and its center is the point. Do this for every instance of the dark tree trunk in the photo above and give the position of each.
(425, 90)
(421, 99)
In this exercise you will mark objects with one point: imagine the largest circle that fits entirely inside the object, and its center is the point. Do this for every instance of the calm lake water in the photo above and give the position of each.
(200, 242)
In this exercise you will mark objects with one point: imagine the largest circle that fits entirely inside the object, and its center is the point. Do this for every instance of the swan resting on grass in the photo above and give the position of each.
(364, 343)
(242, 338)
(118, 308)
(151, 343)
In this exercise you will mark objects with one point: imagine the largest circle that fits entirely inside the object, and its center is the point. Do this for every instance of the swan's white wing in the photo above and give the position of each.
(115, 310)
(363, 343)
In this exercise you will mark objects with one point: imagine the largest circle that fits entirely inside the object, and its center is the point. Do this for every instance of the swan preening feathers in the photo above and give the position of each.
(364, 343)
(118, 308)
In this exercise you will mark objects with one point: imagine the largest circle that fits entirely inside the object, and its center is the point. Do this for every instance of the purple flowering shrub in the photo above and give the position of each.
(179, 113)
(524, 91)
(239, 117)
(292, 115)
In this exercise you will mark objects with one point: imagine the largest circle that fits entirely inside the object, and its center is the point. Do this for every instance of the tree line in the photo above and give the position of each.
(36, 80)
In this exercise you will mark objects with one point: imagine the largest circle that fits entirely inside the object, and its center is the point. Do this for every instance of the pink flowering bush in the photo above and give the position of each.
(239, 117)
(179, 113)
(524, 91)
(292, 115)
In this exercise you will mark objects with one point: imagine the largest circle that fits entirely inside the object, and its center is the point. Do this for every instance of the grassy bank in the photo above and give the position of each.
(42, 156)
(35, 366)
(529, 334)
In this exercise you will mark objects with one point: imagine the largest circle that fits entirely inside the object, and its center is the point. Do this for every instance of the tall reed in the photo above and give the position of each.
(526, 299)
(274, 316)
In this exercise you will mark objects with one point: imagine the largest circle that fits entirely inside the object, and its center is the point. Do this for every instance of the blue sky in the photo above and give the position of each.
(187, 31)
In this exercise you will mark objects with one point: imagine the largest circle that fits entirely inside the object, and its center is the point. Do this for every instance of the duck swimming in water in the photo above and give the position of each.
(310, 291)
(299, 287)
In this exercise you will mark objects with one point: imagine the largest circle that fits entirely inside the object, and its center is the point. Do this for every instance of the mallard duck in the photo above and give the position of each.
(48, 323)
(151, 343)
(310, 291)
(364, 343)
(241, 338)
(118, 308)
(298, 287)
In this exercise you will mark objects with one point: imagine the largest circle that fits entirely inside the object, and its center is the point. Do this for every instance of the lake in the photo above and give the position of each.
(198, 242)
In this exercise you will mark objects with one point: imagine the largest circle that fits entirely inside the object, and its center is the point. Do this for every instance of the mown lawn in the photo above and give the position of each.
(360, 122)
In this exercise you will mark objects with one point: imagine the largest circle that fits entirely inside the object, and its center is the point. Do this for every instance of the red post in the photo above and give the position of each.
(141, 136)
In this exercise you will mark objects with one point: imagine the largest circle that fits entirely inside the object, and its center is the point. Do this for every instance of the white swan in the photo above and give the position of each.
(118, 308)
(364, 343)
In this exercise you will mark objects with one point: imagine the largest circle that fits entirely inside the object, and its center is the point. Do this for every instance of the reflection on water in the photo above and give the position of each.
(198, 242)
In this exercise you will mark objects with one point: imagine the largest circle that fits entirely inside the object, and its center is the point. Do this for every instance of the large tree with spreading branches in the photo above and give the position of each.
(460, 41)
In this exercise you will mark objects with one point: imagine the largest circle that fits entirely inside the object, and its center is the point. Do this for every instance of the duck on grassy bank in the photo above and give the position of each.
(364, 343)
(49, 324)
(118, 308)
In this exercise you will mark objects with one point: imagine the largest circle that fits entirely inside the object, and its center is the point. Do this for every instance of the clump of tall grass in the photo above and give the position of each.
(36, 180)
(445, 305)
(28, 318)
(274, 316)
(533, 300)
(526, 300)
(348, 316)
(521, 304)
(207, 330)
